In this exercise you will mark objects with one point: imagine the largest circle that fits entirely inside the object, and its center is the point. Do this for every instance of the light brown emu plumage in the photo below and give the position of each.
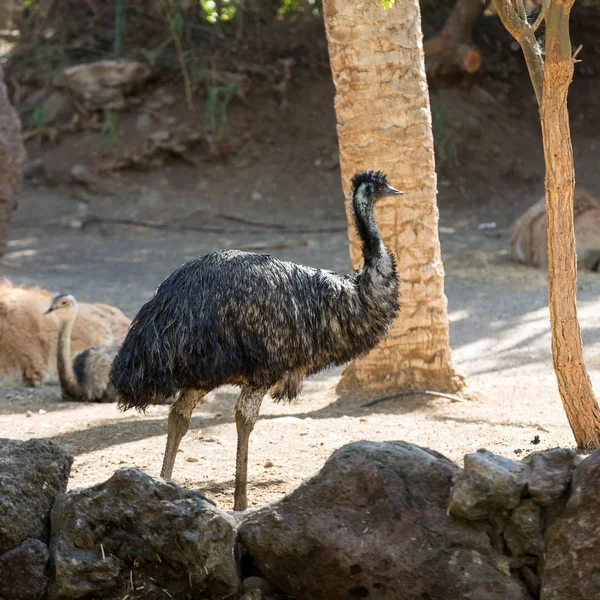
(257, 322)
(28, 339)
(529, 237)
(85, 377)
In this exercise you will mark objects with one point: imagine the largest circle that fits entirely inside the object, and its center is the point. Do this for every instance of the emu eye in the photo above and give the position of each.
(379, 187)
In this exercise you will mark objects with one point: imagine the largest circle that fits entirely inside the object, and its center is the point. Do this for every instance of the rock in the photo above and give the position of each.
(81, 175)
(372, 522)
(488, 484)
(143, 121)
(106, 83)
(12, 160)
(253, 595)
(257, 583)
(32, 475)
(551, 474)
(23, 571)
(35, 170)
(532, 581)
(55, 107)
(160, 136)
(570, 567)
(144, 529)
(523, 532)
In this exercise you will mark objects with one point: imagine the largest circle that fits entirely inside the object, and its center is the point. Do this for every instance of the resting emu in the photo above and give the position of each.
(251, 320)
(86, 377)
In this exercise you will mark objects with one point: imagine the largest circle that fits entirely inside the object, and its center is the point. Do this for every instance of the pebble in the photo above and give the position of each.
(191, 459)
(213, 440)
(42, 411)
(269, 464)
(29, 414)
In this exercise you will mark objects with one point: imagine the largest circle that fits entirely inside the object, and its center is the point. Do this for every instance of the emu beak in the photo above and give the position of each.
(390, 191)
(48, 311)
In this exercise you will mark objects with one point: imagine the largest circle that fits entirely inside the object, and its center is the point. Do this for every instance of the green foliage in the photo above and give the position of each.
(33, 5)
(37, 120)
(110, 129)
(212, 13)
(387, 4)
(217, 102)
(289, 8)
(446, 154)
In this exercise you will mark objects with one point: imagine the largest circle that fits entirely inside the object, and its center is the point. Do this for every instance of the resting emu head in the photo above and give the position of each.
(64, 302)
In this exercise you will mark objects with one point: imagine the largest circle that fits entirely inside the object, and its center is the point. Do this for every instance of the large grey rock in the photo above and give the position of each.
(135, 528)
(551, 474)
(23, 571)
(523, 532)
(32, 475)
(489, 483)
(373, 523)
(571, 567)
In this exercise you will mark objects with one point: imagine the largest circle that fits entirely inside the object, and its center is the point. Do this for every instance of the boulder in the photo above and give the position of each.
(106, 83)
(23, 571)
(141, 532)
(523, 532)
(551, 474)
(32, 475)
(570, 566)
(373, 523)
(489, 484)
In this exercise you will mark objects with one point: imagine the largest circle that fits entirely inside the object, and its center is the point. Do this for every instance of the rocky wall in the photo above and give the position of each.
(380, 520)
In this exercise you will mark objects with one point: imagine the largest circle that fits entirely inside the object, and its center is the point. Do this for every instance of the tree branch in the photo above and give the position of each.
(539, 19)
(525, 36)
(510, 19)
(535, 62)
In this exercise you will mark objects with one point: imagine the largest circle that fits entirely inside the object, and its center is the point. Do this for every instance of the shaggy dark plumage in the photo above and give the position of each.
(252, 320)
(234, 317)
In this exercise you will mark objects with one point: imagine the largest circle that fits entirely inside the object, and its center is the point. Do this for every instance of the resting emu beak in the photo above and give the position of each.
(48, 311)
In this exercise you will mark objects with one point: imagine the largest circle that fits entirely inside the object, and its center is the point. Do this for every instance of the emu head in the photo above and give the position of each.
(368, 187)
(64, 302)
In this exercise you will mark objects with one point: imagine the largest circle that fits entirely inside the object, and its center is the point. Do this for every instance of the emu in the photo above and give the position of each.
(28, 339)
(86, 377)
(251, 320)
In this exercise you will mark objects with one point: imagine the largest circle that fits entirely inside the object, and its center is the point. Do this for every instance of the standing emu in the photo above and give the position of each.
(252, 320)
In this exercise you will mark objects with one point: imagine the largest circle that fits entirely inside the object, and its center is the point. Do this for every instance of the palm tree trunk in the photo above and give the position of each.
(384, 122)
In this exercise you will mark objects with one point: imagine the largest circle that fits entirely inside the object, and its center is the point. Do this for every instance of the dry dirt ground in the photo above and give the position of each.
(289, 175)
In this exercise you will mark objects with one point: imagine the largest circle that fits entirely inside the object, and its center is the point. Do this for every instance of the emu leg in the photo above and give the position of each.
(246, 415)
(180, 416)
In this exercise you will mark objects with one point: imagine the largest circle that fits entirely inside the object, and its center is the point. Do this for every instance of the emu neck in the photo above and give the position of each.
(373, 248)
(66, 375)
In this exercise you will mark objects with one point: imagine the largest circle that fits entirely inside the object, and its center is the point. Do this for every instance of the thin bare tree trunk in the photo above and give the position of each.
(567, 349)
(551, 79)
(384, 122)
